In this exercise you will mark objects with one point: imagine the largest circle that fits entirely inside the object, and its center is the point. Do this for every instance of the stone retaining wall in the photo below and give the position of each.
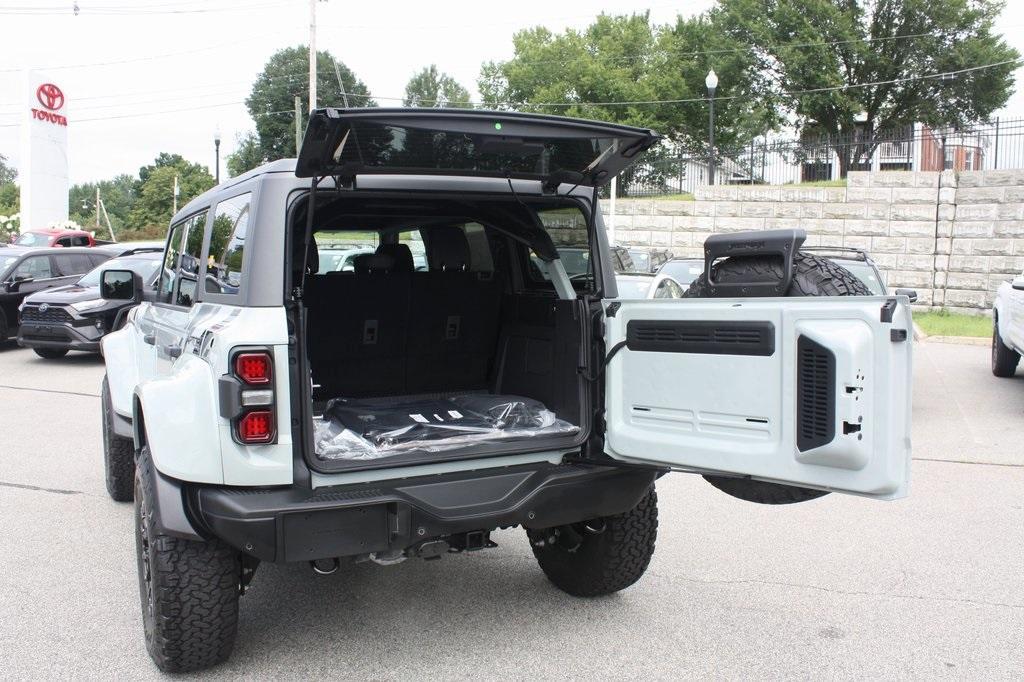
(953, 237)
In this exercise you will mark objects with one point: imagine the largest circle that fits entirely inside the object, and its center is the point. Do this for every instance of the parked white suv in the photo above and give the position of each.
(257, 409)
(1008, 327)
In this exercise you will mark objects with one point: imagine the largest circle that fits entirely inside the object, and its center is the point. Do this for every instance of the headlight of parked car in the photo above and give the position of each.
(91, 304)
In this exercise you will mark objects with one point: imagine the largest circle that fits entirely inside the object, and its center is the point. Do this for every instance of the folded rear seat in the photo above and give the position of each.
(453, 326)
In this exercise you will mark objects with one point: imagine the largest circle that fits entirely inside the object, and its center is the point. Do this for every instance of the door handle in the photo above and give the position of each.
(149, 338)
(173, 350)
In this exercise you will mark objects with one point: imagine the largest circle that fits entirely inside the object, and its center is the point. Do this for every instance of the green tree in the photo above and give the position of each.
(272, 103)
(432, 88)
(617, 66)
(247, 155)
(8, 174)
(10, 199)
(118, 195)
(154, 191)
(873, 51)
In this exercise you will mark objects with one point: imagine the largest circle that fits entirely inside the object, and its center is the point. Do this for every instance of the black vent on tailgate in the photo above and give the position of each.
(815, 394)
(703, 336)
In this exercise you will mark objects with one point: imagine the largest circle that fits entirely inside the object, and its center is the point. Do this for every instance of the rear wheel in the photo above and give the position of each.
(50, 353)
(118, 454)
(1004, 358)
(812, 276)
(189, 589)
(600, 556)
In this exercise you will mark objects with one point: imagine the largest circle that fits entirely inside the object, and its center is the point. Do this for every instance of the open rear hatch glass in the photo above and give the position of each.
(553, 149)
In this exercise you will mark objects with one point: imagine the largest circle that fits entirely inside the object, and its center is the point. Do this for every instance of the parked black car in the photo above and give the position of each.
(75, 317)
(25, 271)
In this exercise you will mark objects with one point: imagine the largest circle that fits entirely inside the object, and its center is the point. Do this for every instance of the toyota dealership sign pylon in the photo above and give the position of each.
(43, 167)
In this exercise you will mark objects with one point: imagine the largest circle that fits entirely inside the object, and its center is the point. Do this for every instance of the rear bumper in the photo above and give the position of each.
(291, 524)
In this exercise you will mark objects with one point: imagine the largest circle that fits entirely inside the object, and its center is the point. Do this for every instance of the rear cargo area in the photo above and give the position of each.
(448, 351)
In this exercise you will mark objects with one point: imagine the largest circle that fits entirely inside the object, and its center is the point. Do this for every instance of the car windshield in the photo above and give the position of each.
(683, 271)
(146, 267)
(633, 287)
(32, 239)
(865, 273)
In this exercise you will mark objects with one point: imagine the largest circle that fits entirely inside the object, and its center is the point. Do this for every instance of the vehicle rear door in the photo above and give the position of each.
(36, 273)
(467, 142)
(812, 392)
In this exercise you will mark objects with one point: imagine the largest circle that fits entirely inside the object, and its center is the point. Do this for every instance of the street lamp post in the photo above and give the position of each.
(712, 83)
(216, 153)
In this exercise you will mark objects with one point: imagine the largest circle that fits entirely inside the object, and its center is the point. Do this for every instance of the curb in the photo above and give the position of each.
(960, 340)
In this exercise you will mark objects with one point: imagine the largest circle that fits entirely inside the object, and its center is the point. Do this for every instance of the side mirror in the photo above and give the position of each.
(909, 293)
(1018, 284)
(121, 285)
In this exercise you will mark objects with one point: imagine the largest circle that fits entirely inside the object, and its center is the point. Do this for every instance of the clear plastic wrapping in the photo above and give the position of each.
(372, 429)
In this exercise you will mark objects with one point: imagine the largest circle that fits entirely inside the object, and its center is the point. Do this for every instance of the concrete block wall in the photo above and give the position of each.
(915, 225)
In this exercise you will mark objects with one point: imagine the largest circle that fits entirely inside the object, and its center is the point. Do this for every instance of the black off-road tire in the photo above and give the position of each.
(118, 454)
(1004, 358)
(812, 276)
(605, 561)
(50, 353)
(189, 589)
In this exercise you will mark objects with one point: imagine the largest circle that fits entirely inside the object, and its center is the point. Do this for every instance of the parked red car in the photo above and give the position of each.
(38, 238)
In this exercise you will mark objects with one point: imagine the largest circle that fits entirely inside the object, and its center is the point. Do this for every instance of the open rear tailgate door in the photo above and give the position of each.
(553, 149)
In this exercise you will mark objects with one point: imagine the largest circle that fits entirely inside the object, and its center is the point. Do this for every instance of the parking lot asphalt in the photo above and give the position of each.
(931, 586)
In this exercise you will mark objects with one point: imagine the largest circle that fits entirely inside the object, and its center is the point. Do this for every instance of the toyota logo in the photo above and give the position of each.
(44, 307)
(50, 96)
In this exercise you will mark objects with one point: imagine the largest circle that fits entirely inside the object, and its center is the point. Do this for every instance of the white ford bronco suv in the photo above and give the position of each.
(456, 376)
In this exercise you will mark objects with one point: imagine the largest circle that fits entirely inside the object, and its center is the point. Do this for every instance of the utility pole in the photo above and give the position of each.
(312, 56)
(174, 205)
(344, 93)
(97, 208)
(298, 124)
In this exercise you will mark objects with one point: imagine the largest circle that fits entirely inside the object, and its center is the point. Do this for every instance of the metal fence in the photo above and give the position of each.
(776, 161)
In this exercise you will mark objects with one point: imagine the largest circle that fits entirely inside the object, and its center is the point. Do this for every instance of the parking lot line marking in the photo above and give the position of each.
(50, 390)
(59, 491)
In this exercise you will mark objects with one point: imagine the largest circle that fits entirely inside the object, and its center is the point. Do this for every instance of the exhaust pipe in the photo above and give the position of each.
(318, 566)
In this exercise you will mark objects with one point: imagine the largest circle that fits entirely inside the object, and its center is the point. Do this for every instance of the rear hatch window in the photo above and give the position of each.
(460, 142)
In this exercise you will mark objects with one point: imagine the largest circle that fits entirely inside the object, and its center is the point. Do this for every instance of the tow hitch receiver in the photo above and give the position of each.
(471, 542)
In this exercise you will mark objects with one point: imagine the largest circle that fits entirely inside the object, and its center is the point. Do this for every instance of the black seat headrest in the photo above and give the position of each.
(400, 254)
(366, 263)
(447, 248)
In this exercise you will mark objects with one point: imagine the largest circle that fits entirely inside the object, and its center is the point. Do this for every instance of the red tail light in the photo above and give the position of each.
(251, 403)
(256, 427)
(253, 368)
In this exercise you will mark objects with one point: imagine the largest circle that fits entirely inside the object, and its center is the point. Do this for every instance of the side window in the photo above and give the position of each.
(34, 267)
(188, 271)
(81, 240)
(97, 259)
(68, 264)
(64, 241)
(567, 228)
(668, 289)
(480, 259)
(169, 272)
(227, 245)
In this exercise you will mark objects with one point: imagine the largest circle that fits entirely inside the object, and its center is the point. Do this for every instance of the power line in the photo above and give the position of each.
(943, 75)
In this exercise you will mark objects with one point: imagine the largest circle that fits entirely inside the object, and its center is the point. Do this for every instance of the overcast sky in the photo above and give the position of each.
(146, 76)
